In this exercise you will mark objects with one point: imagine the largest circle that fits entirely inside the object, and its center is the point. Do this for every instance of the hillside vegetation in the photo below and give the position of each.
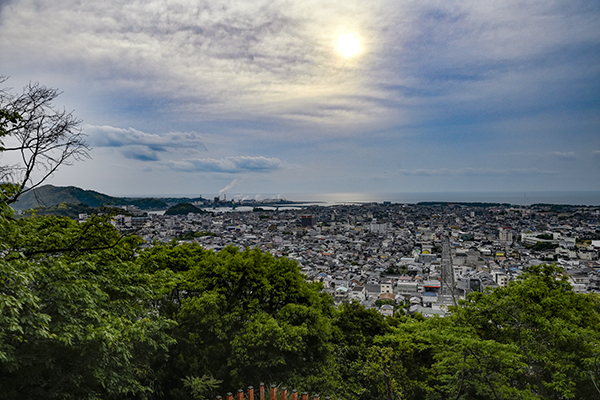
(184, 209)
(48, 195)
(73, 211)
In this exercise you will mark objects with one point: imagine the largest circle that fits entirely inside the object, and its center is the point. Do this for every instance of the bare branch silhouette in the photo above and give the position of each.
(43, 136)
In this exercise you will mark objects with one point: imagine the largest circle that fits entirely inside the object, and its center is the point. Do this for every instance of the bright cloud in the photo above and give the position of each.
(228, 165)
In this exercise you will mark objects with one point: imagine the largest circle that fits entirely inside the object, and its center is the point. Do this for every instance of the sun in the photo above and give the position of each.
(348, 45)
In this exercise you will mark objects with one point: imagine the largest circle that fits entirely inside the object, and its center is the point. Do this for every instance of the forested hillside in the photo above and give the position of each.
(49, 195)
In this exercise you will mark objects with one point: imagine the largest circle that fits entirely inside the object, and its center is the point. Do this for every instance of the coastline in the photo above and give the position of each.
(588, 198)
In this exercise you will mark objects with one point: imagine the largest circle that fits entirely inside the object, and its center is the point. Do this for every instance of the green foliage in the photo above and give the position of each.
(356, 329)
(84, 313)
(541, 246)
(63, 209)
(391, 270)
(48, 196)
(74, 210)
(200, 386)
(556, 330)
(144, 203)
(243, 316)
(8, 120)
(544, 246)
(183, 209)
(535, 339)
(78, 317)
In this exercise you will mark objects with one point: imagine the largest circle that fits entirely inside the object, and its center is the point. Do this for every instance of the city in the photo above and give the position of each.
(391, 255)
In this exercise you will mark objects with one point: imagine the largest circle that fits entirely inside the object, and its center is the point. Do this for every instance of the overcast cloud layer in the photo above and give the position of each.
(186, 97)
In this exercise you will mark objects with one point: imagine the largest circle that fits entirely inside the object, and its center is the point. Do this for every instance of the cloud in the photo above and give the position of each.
(218, 59)
(140, 153)
(108, 136)
(459, 80)
(234, 60)
(568, 155)
(475, 172)
(228, 165)
(142, 146)
(596, 153)
(4, 3)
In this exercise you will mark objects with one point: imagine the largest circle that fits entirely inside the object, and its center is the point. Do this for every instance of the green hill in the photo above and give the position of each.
(183, 209)
(49, 195)
(73, 210)
(63, 209)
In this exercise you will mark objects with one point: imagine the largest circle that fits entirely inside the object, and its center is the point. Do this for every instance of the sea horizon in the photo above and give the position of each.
(584, 198)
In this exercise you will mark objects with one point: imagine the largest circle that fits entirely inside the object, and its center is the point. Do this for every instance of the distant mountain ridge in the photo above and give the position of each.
(49, 195)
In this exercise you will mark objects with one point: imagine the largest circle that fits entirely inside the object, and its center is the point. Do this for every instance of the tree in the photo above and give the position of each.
(243, 317)
(355, 329)
(37, 136)
(534, 339)
(556, 332)
(78, 317)
(447, 359)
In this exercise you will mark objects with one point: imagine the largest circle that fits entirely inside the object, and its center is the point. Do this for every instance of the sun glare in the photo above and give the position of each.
(348, 44)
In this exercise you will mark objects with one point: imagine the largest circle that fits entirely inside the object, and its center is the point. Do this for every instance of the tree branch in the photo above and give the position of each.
(46, 137)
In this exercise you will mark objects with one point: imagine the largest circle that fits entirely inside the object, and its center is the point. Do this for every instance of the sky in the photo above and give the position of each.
(247, 97)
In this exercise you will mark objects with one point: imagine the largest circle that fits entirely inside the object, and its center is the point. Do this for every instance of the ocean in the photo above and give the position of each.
(590, 198)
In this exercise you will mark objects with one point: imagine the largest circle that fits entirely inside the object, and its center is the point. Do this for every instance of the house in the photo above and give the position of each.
(341, 294)
(372, 290)
(429, 299)
(358, 293)
(579, 281)
(386, 287)
(387, 296)
(387, 310)
(407, 287)
(432, 286)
